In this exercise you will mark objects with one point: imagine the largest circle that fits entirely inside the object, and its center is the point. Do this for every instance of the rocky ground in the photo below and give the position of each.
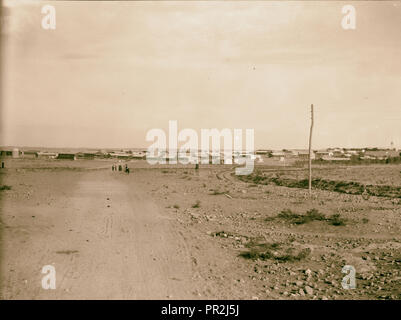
(240, 217)
(233, 239)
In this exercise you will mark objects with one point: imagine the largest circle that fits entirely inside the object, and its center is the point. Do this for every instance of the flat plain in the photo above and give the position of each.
(174, 232)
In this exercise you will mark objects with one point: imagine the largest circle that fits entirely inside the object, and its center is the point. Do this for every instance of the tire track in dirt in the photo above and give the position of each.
(131, 252)
(108, 240)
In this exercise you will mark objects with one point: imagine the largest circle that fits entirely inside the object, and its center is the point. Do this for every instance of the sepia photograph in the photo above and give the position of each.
(200, 150)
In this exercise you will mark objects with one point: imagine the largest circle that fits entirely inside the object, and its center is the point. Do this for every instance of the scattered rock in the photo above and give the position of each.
(309, 290)
(308, 272)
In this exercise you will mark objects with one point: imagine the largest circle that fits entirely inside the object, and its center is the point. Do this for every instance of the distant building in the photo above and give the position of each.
(323, 154)
(304, 155)
(382, 154)
(15, 153)
(338, 154)
(351, 153)
(336, 159)
(30, 154)
(120, 155)
(89, 156)
(102, 154)
(6, 153)
(278, 154)
(46, 155)
(86, 155)
(367, 158)
(263, 152)
(138, 155)
(66, 156)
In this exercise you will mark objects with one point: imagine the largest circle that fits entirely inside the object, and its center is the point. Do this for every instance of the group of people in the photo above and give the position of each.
(114, 167)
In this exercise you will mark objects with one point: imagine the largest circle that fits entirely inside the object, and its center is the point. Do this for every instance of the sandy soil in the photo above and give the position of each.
(178, 233)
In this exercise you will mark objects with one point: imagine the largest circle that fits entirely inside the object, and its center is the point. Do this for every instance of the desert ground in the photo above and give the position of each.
(173, 232)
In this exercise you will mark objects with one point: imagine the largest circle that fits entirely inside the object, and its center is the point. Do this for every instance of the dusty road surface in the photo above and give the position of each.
(101, 232)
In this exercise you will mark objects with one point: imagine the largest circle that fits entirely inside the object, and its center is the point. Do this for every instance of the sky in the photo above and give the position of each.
(111, 71)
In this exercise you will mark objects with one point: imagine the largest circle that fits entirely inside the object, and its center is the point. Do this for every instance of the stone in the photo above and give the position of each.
(309, 290)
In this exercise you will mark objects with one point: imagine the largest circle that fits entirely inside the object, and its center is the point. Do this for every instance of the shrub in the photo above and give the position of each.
(314, 214)
(217, 192)
(286, 256)
(197, 204)
(295, 218)
(336, 220)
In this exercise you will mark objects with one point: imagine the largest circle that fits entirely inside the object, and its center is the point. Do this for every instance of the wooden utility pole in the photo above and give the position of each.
(310, 151)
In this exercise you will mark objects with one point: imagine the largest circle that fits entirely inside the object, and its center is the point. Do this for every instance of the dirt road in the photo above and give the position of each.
(105, 238)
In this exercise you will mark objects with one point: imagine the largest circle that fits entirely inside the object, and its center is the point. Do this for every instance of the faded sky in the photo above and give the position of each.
(111, 71)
